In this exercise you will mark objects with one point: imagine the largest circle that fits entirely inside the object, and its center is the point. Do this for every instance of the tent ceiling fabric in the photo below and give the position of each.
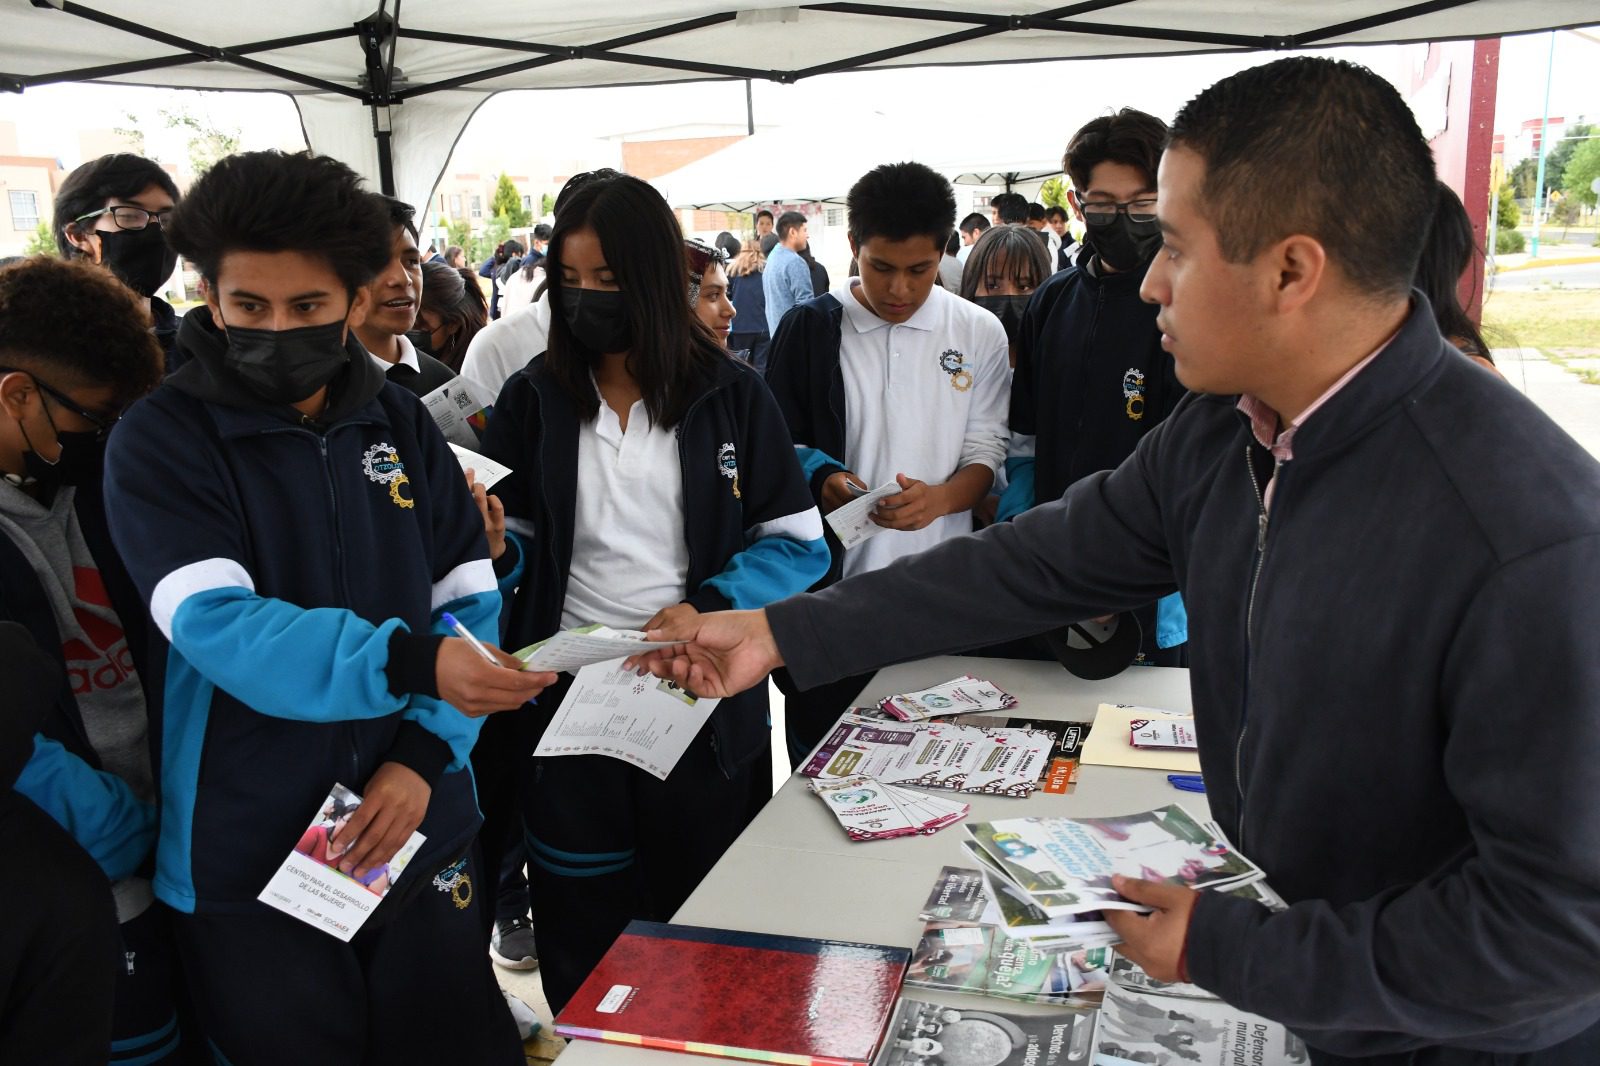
(451, 54)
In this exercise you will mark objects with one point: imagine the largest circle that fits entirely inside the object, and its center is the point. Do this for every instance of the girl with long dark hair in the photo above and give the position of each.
(654, 479)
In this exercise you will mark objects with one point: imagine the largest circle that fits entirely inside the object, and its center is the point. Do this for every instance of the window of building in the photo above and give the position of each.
(455, 205)
(527, 203)
(24, 210)
(834, 217)
(477, 207)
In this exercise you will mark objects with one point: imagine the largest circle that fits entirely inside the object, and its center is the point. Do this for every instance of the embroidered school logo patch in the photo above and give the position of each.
(382, 464)
(954, 363)
(728, 466)
(1133, 393)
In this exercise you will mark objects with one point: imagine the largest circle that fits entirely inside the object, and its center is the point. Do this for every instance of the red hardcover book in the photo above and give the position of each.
(758, 996)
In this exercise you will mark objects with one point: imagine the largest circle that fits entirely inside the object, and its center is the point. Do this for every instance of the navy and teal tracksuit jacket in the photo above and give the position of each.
(753, 533)
(63, 773)
(295, 570)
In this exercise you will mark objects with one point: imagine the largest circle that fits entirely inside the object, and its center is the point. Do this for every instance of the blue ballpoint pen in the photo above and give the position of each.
(1187, 782)
(466, 634)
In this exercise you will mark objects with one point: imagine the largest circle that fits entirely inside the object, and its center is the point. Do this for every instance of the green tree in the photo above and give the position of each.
(1522, 176)
(42, 241)
(207, 143)
(1583, 166)
(1506, 212)
(1053, 193)
(132, 131)
(1555, 164)
(460, 233)
(547, 205)
(508, 202)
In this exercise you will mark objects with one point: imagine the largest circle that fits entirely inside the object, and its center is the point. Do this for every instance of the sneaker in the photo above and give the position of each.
(511, 944)
(522, 1014)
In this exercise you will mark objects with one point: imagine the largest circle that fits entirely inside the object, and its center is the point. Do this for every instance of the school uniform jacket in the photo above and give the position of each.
(293, 570)
(753, 534)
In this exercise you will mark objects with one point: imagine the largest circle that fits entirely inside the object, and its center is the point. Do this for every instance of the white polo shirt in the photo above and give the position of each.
(923, 398)
(629, 554)
(408, 356)
(506, 345)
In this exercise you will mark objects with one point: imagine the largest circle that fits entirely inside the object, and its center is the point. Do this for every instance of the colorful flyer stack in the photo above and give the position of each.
(963, 695)
(871, 810)
(995, 761)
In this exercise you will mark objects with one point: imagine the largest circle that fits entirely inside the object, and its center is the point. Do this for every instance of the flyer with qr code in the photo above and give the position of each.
(645, 721)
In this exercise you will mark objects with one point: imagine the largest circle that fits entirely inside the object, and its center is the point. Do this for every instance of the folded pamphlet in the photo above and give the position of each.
(1110, 741)
(852, 523)
(871, 810)
(572, 649)
(460, 410)
(485, 470)
(988, 961)
(310, 886)
(648, 722)
(997, 761)
(963, 695)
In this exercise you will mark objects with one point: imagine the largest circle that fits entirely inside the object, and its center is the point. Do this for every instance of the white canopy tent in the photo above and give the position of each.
(390, 89)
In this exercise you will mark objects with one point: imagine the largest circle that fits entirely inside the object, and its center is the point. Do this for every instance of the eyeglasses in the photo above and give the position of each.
(130, 218)
(1103, 213)
(102, 425)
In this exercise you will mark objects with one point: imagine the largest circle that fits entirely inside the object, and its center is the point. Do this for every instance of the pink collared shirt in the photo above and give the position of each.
(1264, 421)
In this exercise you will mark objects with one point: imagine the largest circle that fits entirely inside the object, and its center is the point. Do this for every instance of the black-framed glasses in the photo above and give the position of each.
(1103, 213)
(102, 425)
(129, 217)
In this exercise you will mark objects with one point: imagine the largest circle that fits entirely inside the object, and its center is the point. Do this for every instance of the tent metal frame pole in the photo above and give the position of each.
(373, 33)
(136, 66)
(201, 52)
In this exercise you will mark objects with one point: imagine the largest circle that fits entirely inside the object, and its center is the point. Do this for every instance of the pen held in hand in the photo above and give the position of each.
(466, 634)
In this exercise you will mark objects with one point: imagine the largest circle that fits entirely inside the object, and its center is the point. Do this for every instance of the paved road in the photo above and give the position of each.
(1576, 276)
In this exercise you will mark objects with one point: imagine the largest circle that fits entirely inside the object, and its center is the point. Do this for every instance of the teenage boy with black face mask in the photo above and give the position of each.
(298, 528)
(75, 349)
(111, 211)
(1091, 376)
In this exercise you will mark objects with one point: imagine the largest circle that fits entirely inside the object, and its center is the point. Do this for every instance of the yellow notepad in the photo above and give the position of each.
(1108, 741)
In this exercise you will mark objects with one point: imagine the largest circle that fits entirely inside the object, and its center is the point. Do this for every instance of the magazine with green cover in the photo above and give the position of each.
(987, 961)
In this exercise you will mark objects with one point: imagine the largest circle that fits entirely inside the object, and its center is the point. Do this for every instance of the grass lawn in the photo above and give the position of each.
(1560, 324)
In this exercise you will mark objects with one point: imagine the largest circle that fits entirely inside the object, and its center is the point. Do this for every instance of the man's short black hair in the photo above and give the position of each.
(1129, 137)
(974, 221)
(111, 177)
(284, 202)
(763, 213)
(513, 247)
(74, 325)
(1012, 207)
(899, 201)
(401, 214)
(1320, 147)
(1054, 213)
(543, 232)
(788, 222)
(1036, 212)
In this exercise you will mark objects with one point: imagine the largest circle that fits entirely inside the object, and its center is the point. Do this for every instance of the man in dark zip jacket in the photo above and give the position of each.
(1383, 551)
(297, 526)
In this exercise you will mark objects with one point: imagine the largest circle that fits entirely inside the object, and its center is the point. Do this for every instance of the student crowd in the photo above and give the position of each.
(1238, 407)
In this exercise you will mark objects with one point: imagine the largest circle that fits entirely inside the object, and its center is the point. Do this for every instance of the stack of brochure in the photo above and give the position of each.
(993, 761)
(962, 695)
(871, 810)
(1137, 1027)
(984, 936)
(1064, 865)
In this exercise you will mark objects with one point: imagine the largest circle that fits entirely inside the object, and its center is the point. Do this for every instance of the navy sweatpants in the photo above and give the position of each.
(608, 843)
(270, 989)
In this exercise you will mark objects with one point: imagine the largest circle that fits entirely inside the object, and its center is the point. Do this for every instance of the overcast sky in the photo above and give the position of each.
(1050, 98)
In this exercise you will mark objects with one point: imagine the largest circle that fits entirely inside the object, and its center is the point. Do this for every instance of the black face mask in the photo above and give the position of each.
(80, 461)
(598, 319)
(1008, 309)
(286, 366)
(421, 340)
(1124, 244)
(140, 257)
